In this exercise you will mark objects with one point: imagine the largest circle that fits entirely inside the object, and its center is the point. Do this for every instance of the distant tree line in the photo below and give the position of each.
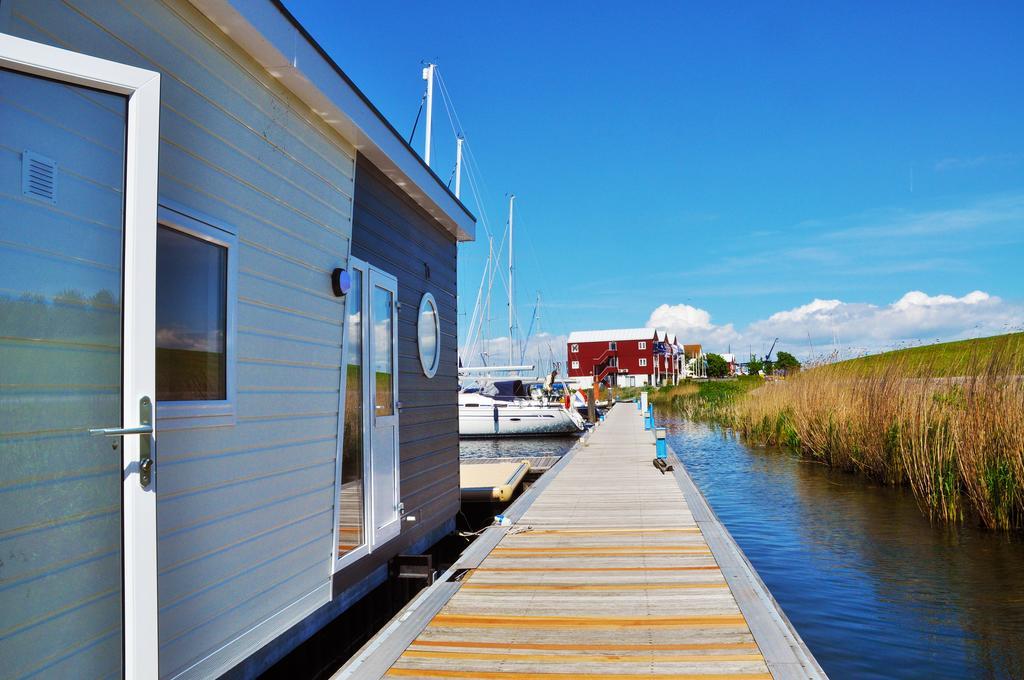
(784, 363)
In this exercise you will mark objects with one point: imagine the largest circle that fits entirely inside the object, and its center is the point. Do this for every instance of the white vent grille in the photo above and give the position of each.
(39, 177)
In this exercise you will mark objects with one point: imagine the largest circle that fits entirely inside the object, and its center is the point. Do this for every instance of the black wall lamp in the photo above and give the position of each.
(341, 282)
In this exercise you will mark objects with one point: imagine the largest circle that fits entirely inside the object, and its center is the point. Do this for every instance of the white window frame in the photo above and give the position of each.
(574, 348)
(176, 415)
(613, 345)
(142, 90)
(575, 364)
(643, 362)
(431, 370)
(642, 344)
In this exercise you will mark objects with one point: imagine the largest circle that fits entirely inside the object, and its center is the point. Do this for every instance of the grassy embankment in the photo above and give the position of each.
(947, 420)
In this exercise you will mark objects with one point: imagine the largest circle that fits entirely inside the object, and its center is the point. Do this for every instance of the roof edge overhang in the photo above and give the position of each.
(269, 33)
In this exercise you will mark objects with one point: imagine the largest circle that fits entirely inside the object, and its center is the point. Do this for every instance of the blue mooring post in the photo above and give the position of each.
(649, 418)
(661, 449)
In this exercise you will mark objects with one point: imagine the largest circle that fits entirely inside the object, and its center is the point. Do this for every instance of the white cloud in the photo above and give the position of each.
(857, 327)
(916, 298)
(970, 163)
(814, 309)
(692, 324)
(1003, 213)
(172, 337)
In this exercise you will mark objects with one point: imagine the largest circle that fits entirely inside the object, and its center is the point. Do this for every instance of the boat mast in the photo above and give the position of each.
(488, 312)
(511, 286)
(428, 75)
(458, 167)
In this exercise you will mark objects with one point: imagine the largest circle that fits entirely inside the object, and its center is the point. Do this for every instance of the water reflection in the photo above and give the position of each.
(515, 447)
(873, 588)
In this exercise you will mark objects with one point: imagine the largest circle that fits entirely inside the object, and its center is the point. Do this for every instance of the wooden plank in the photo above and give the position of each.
(590, 586)
(711, 567)
(585, 647)
(589, 658)
(579, 622)
(499, 675)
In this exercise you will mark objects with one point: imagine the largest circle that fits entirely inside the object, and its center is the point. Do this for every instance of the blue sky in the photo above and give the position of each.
(728, 165)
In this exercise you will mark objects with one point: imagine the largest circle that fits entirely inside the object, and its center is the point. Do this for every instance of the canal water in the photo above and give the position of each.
(873, 588)
(515, 447)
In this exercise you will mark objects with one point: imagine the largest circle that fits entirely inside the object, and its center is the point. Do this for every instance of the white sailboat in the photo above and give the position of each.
(513, 407)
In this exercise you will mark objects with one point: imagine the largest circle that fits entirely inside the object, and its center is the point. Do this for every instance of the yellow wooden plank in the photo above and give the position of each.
(704, 567)
(501, 675)
(491, 621)
(596, 552)
(555, 646)
(591, 586)
(580, 658)
(628, 549)
(627, 532)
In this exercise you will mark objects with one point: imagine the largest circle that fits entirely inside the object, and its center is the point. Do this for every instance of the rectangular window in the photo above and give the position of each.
(613, 345)
(191, 317)
(575, 348)
(575, 364)
(195, 273)
(643, 362)
(382, 305)
(641, 345)
(352, 497)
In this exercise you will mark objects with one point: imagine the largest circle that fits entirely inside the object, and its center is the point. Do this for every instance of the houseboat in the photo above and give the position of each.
(228, 373)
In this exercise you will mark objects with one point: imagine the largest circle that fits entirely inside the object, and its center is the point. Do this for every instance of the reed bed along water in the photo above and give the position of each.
(950, 428)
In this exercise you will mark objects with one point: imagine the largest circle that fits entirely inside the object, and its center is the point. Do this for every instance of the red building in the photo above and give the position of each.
(624, 357)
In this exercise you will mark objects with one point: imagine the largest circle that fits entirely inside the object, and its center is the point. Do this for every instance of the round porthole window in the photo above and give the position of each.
(428, 332)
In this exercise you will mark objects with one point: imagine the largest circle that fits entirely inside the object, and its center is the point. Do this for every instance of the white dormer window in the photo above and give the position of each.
(641, 345)
(643, 362)
(575, 364)
(574, 348)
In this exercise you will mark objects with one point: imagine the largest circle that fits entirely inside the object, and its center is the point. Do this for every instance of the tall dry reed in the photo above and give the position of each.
(957, 440)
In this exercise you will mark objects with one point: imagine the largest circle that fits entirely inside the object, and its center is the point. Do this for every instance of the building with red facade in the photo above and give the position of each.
(627, 357)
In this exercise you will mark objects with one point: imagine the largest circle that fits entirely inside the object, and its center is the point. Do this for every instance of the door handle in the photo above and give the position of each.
(144, 427)
(121, 431)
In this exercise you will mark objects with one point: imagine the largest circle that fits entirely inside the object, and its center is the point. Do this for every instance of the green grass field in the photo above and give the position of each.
(963, 357)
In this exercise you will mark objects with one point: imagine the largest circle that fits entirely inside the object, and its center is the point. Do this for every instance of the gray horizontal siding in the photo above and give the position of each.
(392, 233)
(245, 511)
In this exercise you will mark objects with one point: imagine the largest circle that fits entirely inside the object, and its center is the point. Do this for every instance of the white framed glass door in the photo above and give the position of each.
(368, 509)
(353, 469)
(78, 194)
(382, 328)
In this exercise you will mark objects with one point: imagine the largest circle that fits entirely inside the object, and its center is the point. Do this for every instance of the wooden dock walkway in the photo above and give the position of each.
(610, 570)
